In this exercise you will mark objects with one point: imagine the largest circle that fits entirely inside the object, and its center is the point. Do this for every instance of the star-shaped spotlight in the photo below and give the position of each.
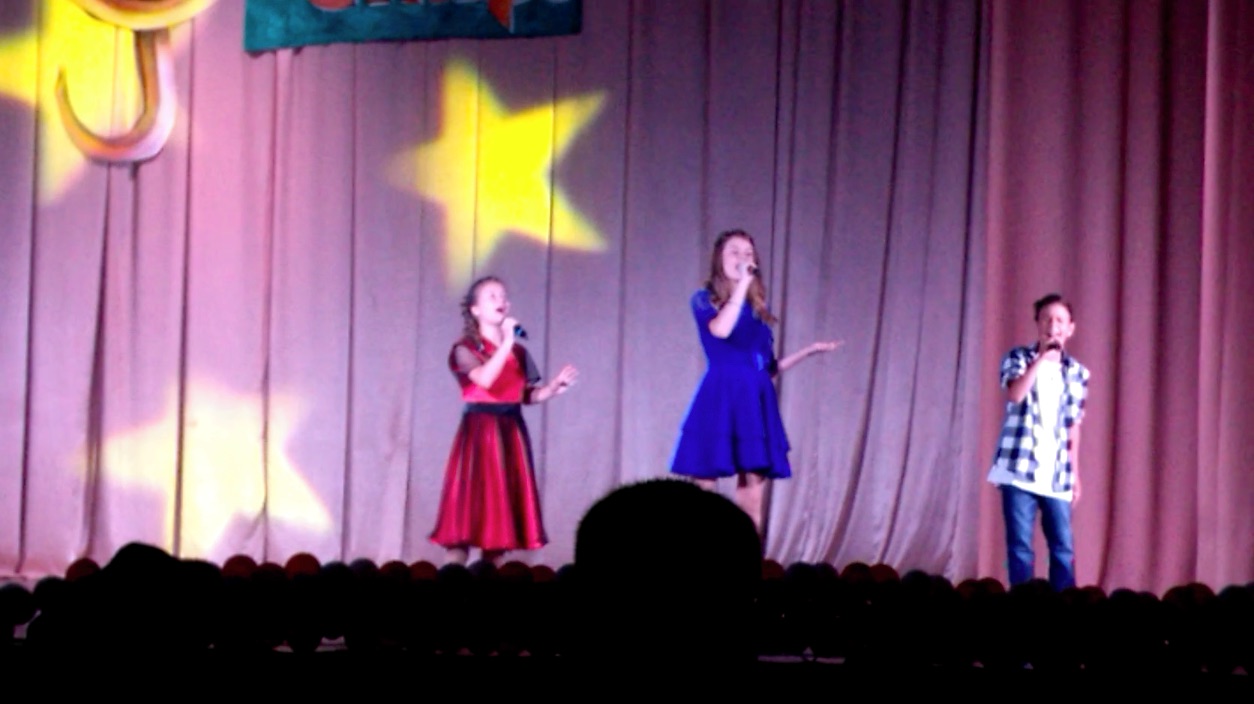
(229, 474)
(492, 170)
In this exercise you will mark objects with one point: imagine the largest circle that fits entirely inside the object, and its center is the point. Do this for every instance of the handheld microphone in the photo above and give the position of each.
(519, 332)
(751, 269)
(1054, 345)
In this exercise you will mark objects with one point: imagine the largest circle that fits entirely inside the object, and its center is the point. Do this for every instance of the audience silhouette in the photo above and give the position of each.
(666, 571)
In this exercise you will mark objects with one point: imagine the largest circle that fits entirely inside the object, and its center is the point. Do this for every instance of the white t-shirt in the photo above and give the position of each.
(1049, 388)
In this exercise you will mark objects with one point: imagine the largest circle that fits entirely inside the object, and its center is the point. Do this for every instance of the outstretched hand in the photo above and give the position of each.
(564, 379)
(819, 347)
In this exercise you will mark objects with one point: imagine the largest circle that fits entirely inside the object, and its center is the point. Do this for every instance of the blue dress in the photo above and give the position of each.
(733, 424)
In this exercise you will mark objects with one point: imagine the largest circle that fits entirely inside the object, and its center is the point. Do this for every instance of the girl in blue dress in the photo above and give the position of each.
(733, 427)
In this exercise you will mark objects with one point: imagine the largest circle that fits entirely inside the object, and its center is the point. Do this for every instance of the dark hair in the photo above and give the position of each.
(644, 552)
(1050, 300)
(720, 288)
(470, 326)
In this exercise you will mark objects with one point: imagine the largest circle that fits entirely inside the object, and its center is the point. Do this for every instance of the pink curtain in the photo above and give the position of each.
(1225, 552)
(1118, 138)
(241, 346)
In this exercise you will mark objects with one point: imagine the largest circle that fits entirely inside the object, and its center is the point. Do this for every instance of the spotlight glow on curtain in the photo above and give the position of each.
(491, 170)
(99, 61)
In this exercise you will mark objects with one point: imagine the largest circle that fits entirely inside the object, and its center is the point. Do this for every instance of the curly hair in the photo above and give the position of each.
(470, 326)
(720, 286)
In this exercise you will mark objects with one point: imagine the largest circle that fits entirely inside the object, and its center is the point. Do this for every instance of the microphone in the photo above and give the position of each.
(519, 332)
(750, 269)
(1053, 345)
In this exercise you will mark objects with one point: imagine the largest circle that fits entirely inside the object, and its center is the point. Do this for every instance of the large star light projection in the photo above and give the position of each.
(231, 473)
(492, 171)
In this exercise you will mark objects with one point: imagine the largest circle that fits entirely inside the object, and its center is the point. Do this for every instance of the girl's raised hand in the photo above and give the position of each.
(818, 347)
(508, 326)
(565, 379)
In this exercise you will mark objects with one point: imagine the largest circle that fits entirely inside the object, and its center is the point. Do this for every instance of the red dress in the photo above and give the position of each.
(490, 499)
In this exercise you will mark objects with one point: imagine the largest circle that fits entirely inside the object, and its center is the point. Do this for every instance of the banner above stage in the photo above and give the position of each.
(276, 24)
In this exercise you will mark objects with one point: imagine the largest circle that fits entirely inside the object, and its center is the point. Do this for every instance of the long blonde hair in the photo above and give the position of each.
(720, 287)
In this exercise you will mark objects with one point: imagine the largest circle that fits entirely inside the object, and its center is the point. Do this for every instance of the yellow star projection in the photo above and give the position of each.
(103, 78)
(228, 472)
(492, 170)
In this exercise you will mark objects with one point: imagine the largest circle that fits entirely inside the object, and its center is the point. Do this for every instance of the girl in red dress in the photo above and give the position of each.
(490, 499)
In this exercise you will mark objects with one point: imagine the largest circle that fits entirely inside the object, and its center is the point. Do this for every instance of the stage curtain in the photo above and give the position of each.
(1119, 136)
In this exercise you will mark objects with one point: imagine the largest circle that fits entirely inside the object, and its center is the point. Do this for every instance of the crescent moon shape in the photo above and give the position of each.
(143, 15)
(156, 120)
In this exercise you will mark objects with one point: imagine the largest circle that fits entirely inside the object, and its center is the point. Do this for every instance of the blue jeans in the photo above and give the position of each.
(1019, 509)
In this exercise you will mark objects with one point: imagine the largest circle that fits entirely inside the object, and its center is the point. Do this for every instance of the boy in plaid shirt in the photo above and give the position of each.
(1035, 465)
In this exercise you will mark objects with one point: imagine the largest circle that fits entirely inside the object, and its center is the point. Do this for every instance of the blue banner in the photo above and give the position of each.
(274, 24)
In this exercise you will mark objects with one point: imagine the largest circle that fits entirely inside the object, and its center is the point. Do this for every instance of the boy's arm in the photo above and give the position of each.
(1073, 454)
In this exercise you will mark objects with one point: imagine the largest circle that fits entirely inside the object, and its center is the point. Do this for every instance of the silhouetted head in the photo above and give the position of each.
(666, 571)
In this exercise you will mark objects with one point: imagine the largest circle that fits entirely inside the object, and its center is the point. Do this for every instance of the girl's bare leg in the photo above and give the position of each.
(456, 556)
(749, 491)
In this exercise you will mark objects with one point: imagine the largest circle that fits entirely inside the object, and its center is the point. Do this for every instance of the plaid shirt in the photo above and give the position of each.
(1014, 449)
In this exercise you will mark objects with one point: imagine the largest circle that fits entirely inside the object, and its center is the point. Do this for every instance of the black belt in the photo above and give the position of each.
(499, 409)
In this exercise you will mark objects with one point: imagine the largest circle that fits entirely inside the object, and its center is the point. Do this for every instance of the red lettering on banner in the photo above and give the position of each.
(503, 11)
